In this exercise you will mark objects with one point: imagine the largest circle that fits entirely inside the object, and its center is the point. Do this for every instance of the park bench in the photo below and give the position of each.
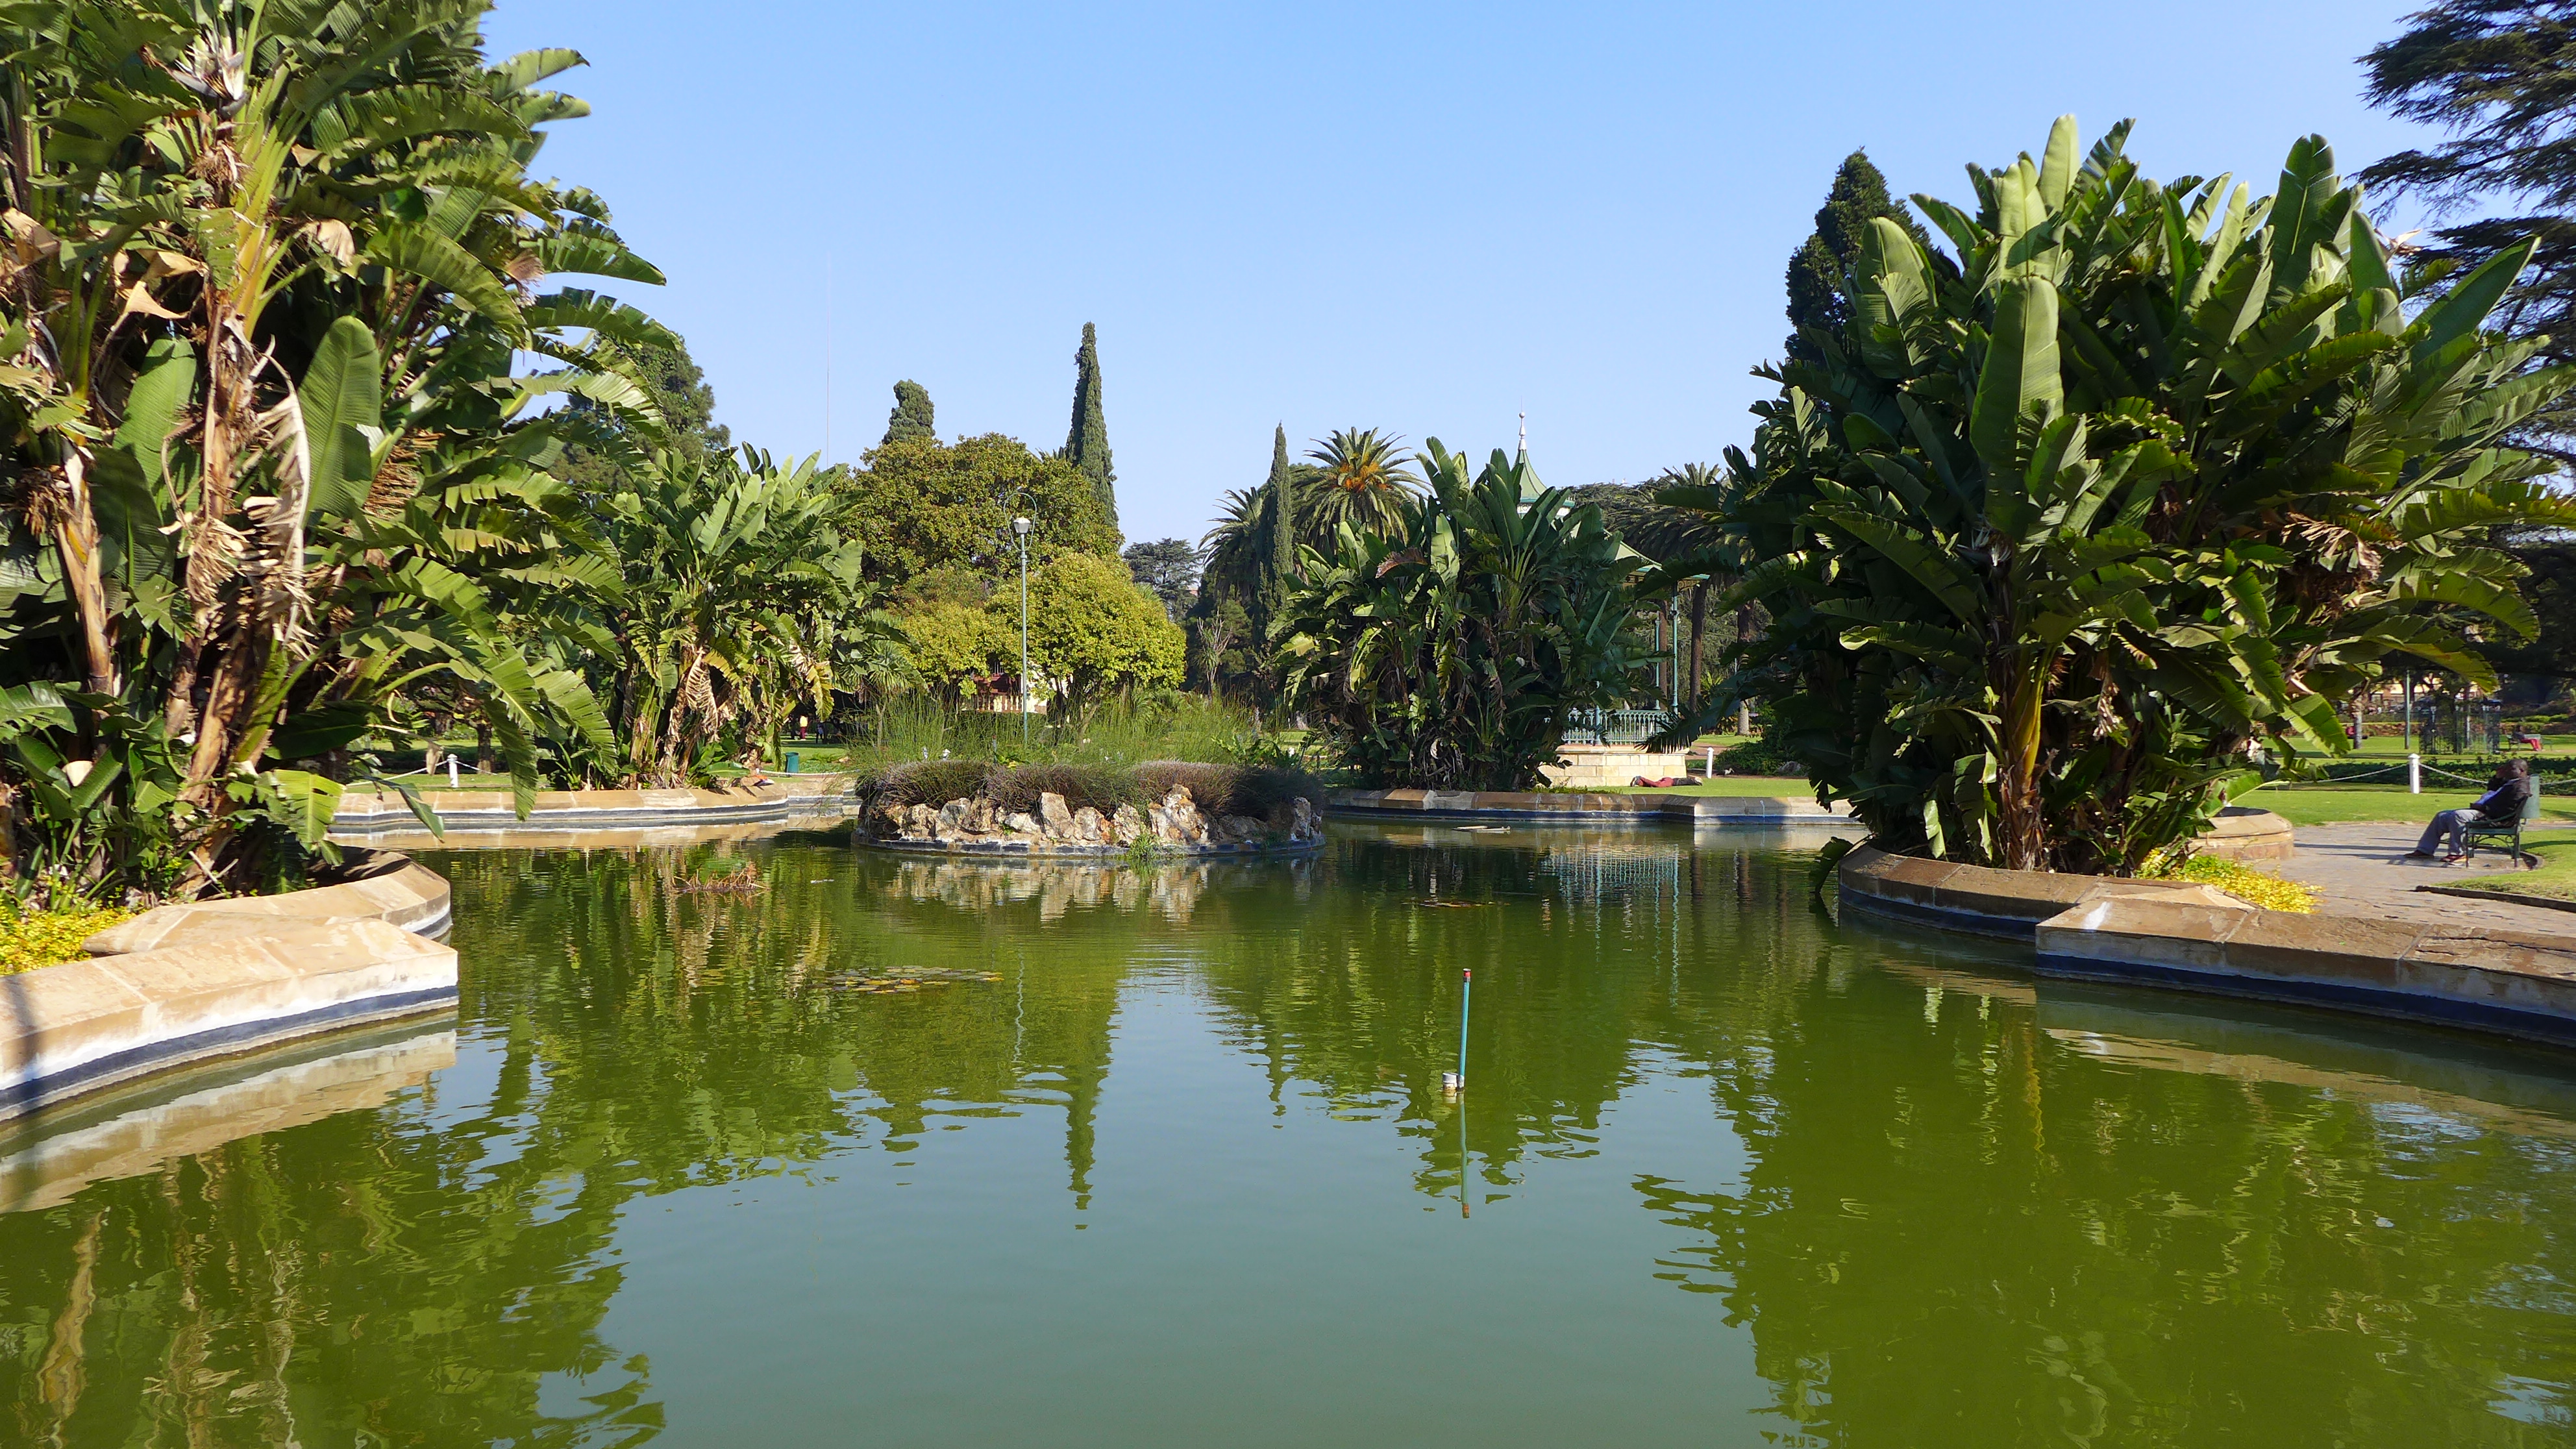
(2508, 832)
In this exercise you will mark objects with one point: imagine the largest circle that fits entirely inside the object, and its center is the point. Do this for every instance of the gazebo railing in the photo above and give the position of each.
(1615, 726)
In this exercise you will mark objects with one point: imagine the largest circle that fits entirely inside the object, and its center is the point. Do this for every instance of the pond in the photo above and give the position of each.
(895, 1152)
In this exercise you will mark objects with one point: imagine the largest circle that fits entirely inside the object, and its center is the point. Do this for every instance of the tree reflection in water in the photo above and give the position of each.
(1968, 1201)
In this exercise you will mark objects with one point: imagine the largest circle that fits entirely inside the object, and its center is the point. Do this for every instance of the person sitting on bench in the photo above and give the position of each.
(2500, 805)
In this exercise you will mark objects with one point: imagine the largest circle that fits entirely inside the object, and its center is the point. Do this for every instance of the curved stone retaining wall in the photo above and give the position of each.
(2198, 939)
(380, 886)
(1173, 826)
(129, 1133)
(184, 984)
(1706, 810)
(2249, 836)
(364, 814)
(2509, 982)
(2008, 904)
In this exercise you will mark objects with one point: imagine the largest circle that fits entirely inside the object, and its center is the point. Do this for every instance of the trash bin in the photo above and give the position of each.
(791, 762)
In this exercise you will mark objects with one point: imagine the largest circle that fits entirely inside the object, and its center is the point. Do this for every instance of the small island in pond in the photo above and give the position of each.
(1031, 811)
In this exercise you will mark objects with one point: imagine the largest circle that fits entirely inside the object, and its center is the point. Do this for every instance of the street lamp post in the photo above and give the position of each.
(1020, 526)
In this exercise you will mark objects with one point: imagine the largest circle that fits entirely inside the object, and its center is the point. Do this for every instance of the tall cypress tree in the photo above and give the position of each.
(1280, 517)
(1816, 269)
(911, 420)
(1086, 443)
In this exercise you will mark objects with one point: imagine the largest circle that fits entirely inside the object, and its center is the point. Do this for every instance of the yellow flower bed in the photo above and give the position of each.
(51, 937)
(2253, 887)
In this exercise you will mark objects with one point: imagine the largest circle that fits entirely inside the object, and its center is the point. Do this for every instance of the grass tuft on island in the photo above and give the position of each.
(1259, 791)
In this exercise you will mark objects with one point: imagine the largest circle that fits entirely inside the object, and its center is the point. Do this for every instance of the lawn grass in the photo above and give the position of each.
(2370, 804)
(2555, 879)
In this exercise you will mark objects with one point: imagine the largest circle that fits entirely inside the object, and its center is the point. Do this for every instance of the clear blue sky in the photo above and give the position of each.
(1422, 218)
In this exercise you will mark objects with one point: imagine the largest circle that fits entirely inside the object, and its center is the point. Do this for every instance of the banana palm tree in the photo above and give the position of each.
(742, 600)
(2062, 526)
(269, 269)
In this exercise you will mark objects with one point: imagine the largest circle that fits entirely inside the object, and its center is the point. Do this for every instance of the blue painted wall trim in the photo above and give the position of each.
(151, 1056)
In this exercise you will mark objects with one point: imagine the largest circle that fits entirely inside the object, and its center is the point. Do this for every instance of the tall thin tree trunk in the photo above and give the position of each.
(1699, 625)
(76, 540)
(2024, 837)
(226, 719)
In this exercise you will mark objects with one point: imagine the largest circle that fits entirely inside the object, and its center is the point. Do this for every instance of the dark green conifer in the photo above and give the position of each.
(911, 420)
(2493, 74)
(1086, 443)
(1816, 269)
(1280, 518)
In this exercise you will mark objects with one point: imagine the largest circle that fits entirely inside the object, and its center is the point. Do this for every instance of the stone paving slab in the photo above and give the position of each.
(2363, 870)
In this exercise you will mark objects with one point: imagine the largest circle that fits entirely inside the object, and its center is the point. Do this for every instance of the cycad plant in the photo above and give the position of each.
(2056, 532)
(1450, 650)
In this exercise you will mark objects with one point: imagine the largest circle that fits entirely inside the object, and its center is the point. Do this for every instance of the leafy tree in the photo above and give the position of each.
(683, 410)
(1359, 479)
(1450, 651)
(1092, 632)
(2549, 586)
(1086, 443)
(2493, 74)
(952, 643)
(924, 505)
(1816, 268)
(913, 418)
(1169, 567)
(2154, 474)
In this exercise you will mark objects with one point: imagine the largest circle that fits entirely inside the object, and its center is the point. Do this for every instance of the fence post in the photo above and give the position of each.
(2414, 774)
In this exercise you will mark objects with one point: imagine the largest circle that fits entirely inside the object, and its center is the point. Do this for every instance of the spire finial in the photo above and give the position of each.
(1524, 434)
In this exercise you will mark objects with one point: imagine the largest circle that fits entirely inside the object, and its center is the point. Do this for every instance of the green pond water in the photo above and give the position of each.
(1163, 1159)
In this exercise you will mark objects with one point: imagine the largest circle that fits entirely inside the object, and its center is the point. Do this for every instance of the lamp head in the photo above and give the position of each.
(1020, 526)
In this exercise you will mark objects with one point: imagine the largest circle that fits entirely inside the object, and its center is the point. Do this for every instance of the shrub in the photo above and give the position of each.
(2253, 887)
(1451, 650)
(48, 938)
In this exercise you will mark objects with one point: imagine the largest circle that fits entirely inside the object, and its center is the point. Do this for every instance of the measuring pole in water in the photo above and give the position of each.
(1457, 1081)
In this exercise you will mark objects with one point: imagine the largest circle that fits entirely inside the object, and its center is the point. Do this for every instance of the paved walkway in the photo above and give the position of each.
(2363, 870)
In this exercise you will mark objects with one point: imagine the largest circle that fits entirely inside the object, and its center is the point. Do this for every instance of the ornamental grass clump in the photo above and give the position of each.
(1258, 791)
(1101, 787)
(927, 782)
